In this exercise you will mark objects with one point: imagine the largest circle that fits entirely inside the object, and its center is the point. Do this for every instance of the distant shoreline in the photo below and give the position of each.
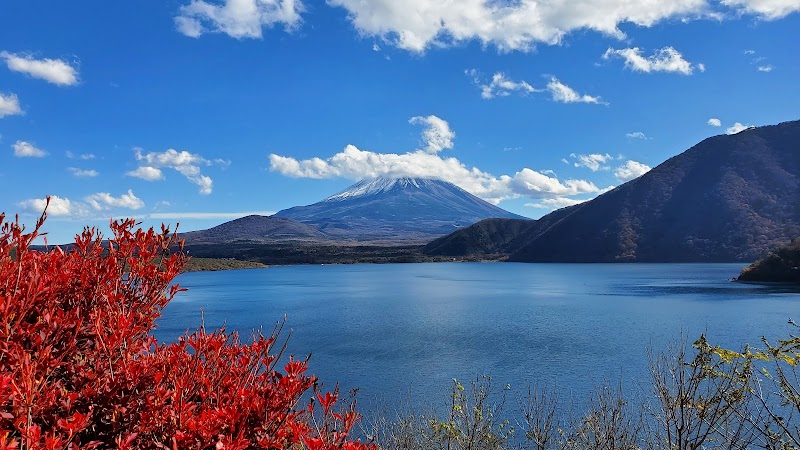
(196, 264)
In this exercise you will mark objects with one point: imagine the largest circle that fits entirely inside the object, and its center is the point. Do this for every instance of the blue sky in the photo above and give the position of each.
(199, 112)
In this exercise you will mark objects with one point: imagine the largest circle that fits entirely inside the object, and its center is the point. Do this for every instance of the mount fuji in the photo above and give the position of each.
(395, 209)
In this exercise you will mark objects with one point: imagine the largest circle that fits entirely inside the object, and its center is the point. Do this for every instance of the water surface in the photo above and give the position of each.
(403, 331)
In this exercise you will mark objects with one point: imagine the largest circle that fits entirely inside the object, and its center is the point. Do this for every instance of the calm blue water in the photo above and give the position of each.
(402, 332)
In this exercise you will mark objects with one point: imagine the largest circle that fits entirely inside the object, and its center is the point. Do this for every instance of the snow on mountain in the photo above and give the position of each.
(395, 209)
(376, 186)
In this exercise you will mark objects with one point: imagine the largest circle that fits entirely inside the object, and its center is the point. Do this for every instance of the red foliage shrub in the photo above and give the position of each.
(79, 368)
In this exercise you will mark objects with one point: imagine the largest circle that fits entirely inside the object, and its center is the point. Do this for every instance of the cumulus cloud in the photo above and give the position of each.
(237, 18)
(24, 149)
(564, 94)
(103, 201)
(666, 59)
(714, 122)
(767, 9)
(436, 134)
(55, 71)
(630, 170)
(186, 163)
(92, 204)
(592, 161)
(636, 135)
(9, 105)
(737, 127)
(500, 85)
(417, 25)
(83, 173)
(58, 206)
(356, 164)
(767, 68)
(146, 173)
(556, 203)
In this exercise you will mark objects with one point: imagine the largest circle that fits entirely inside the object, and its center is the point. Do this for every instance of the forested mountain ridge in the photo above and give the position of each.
(728, 198)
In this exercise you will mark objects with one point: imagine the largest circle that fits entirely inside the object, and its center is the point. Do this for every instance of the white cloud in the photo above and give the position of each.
(103, 201)
(737, 127)
(376, 48)
(9, 105)
(83, 173)
(205, 182)
(564, 94)
(355, 164)
(760, 61)
(436, 135)
(630, 170)
(592, 161)
(24, 149)
(186, 163)
(237, 18)
(666, 59)
(64, 207)
(767, 9)
(701, 67)
(636, 135)
(55, 71)
(417, 25)
(714, 122)
(500, 85)
(58, 206)
(146, 173)
(556, 203)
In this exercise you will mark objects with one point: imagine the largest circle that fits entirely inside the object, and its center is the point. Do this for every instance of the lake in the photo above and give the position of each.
(402, 332)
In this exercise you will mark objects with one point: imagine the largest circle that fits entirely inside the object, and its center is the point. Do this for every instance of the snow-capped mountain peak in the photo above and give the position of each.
(378, 185)
(395, 209)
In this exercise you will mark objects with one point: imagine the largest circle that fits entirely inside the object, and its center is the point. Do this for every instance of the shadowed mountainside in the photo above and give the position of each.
(492, 237)
(728, 198)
